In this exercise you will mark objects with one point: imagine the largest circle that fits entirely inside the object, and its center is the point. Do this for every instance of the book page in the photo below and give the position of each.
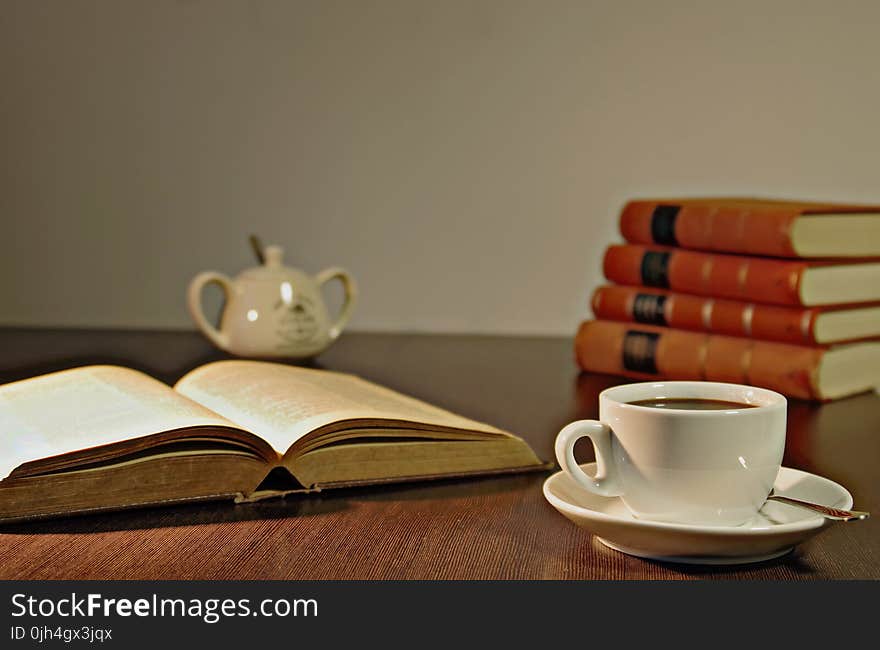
(85, 407)
(283, 403)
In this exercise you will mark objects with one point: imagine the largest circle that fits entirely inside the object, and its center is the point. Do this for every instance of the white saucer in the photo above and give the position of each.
(773, 532)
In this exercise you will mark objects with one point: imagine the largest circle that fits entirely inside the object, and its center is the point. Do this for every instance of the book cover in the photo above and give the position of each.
(798, 325)
(738, 277)
(755, 226)
(646, 352)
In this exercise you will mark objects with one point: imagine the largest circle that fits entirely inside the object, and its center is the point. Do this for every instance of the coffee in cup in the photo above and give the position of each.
(692, 404)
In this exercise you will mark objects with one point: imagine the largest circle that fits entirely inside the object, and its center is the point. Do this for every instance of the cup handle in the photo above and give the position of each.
(350, 289)
(605, 483)
(194, 302)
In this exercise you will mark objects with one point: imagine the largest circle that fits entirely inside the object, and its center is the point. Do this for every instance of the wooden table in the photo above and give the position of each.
(483, 528)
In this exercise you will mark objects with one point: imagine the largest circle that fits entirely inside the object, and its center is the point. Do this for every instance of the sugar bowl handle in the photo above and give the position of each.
(350, 289)
(194, 302)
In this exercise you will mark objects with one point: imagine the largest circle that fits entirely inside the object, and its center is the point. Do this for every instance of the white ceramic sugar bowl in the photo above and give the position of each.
(273, 310)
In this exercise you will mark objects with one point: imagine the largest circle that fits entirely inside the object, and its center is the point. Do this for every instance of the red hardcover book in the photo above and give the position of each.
(798, 325)
(649, 353)
(755, 226)
(752, 279)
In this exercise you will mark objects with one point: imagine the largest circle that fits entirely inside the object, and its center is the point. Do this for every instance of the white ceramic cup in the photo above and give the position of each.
(705, 467)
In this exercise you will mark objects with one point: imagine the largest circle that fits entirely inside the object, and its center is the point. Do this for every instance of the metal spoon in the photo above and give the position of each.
(829, 513)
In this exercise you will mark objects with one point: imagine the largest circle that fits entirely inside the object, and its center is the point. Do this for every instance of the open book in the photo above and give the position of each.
(107, 437)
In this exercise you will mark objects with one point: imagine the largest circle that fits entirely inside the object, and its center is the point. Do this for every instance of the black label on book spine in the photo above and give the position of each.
(639, 352)
(648, 308)
(655, 269)
(663, 224)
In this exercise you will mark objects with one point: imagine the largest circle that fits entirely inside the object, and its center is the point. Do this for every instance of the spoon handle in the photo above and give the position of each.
(257, 247)
(831, 513)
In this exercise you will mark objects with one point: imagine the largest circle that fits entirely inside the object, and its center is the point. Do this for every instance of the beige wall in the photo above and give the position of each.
(464, 159)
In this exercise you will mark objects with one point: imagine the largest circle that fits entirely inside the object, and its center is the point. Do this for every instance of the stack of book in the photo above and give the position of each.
(777, 294)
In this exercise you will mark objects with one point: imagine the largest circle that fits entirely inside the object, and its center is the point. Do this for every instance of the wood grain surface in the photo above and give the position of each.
(481, 528)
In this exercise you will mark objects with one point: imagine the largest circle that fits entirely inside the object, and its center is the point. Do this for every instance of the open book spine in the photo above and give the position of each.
(262, 495)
